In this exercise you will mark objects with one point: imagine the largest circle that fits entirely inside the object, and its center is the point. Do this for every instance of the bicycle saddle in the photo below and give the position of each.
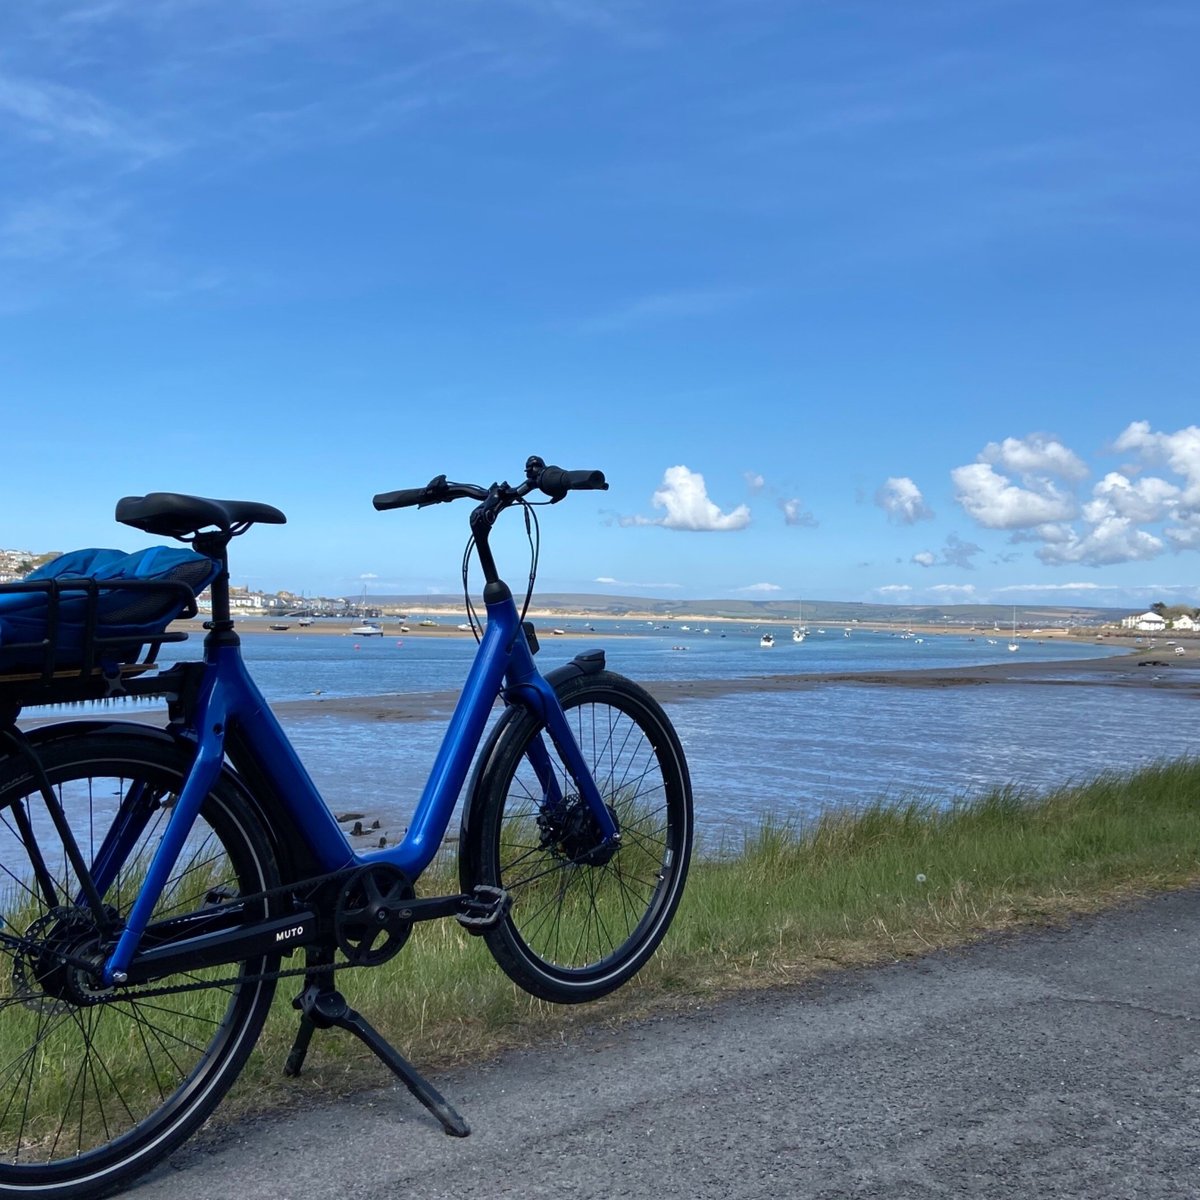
(172, 514)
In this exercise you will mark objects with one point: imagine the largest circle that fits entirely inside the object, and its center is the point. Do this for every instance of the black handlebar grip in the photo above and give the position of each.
(556, 482)
(404, 498)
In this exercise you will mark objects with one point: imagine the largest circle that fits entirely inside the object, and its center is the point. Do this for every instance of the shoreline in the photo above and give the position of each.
(1140, 668)
(260, 626)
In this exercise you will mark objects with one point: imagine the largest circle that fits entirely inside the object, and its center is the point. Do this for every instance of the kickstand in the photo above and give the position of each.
(323, 1007)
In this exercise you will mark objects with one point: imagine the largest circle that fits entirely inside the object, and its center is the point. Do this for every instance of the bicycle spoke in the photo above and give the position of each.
(89, 1077)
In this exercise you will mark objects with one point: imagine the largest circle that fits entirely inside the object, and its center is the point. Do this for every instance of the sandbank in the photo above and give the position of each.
(1139, 669)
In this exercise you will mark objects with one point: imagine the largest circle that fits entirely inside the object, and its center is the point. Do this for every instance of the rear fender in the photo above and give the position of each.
(65, 730)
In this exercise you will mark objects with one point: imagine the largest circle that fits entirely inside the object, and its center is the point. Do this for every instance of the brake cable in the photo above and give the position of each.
(533, 534)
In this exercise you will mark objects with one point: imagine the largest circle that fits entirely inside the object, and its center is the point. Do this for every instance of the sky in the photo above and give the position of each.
(849, 299)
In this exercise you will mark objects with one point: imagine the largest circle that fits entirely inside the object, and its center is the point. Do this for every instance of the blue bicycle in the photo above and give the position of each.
(156, 883)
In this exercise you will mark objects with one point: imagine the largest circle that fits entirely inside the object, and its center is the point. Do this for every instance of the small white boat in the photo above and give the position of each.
(767, 640)
(305, 621)
(464, 629)
(1180, 650)
(368, 629)
(1013, 646)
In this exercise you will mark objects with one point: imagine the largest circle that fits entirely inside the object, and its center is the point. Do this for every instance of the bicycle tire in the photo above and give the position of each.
(579, 929)
(95, 1089)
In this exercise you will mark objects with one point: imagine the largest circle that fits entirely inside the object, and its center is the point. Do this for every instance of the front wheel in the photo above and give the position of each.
(584, 918)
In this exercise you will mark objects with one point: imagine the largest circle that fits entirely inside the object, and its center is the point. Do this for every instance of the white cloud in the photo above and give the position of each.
(901, 499)
(1186, 534)
(925, 558)
(760, 587)
(997, 503)
(794, 513)
(1180, 451)
(1035, 456)
(893, 589)
(754, 481)
(953, 589)
(1111, 540)
(685, 498)
(1147, 499)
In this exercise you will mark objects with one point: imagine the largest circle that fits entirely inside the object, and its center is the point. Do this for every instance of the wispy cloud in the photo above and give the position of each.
(664, 307)
(794, 513)
(1059, 587)
(759, 588)
(609, 581)
(48, 112)
(76, 224)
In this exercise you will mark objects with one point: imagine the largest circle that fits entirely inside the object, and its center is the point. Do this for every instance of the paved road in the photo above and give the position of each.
(1058, 1063)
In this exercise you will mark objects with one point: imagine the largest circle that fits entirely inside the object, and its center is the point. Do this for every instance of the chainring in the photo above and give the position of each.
(372, 918)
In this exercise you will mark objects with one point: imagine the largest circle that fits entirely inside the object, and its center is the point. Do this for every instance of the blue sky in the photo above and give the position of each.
(850, 300)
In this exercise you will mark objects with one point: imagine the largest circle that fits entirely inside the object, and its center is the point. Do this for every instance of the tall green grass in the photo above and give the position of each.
(892, 879)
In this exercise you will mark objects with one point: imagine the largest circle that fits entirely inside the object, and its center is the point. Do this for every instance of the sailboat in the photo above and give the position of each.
(366, 628)
(1013, 644)
(799, 632)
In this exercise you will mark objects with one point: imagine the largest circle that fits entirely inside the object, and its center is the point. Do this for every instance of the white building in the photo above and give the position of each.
(1147, 622)
(1185, 623)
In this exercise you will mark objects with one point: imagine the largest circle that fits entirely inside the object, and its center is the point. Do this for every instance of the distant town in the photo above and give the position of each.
(16, 564)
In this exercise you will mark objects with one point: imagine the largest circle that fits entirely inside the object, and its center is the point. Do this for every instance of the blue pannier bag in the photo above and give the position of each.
(89, 586)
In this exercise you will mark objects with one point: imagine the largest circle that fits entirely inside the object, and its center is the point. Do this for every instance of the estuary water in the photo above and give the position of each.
(788, 754)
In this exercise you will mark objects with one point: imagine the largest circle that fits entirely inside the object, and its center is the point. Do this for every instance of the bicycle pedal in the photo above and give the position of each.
(484, 909)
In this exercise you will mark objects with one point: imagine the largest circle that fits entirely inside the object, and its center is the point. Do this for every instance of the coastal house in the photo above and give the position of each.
(1186, 624)
(1147, 622)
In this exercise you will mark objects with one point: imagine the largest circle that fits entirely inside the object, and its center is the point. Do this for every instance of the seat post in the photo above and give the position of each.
(216, 546)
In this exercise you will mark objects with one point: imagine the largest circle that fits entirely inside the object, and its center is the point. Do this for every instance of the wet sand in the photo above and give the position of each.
(1139, 669)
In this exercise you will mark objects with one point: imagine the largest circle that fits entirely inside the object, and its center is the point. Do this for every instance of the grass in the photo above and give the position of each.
(891, 880)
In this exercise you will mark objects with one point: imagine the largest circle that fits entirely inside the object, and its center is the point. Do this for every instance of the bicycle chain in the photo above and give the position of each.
(288, 889)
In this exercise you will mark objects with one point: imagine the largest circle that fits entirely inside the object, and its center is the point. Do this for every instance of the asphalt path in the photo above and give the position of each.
(1050, 1063)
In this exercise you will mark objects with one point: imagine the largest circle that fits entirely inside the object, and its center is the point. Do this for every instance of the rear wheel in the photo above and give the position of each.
(97, 1084)
(584, 918)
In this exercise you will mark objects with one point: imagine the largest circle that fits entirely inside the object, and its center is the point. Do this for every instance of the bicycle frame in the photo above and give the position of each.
(229, 699)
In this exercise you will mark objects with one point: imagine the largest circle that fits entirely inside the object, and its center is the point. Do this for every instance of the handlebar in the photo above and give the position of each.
(550, 481)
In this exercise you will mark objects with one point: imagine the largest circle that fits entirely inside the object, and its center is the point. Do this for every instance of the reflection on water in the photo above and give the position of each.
(787, 753)
(794, 753)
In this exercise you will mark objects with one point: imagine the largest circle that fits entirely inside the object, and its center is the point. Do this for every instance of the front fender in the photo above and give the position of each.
(590, 662)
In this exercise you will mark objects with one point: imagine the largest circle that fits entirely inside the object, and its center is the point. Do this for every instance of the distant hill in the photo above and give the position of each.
(815, 611)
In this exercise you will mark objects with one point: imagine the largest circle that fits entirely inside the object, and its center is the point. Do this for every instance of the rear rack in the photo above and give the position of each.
(85, 659)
